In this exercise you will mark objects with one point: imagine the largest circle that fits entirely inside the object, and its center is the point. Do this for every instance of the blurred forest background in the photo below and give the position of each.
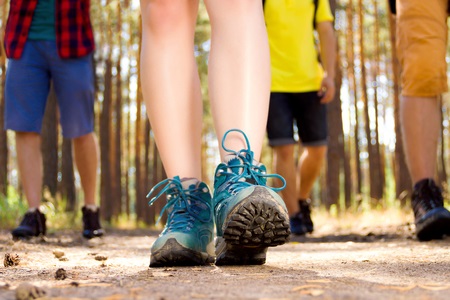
(365, 166)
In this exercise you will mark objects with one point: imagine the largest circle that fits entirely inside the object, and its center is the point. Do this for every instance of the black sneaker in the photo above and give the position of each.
(431, 218)
(33, 224)
(301, 222)
(91, 223)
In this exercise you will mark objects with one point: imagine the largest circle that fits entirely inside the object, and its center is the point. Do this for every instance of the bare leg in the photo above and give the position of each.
(86, 157)
(170, 83)
(420, 119)
(311, 162)
(29, 159)
(285, 166)
(239, 71)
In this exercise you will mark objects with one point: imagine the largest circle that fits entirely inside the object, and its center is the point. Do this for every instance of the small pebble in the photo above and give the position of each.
(58, 253)
(60, 274)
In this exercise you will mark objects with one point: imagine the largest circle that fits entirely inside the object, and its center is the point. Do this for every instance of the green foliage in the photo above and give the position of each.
(57, 215)
(12, 208)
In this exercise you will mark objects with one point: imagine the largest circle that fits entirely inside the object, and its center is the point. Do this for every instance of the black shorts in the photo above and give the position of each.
(301, 111)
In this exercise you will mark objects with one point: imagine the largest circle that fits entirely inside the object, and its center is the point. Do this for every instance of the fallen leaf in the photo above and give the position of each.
(199, 296)
(433, 287)
(398, 288)
(319, 281)
(259, 275)
(312, 292)
(306, 286)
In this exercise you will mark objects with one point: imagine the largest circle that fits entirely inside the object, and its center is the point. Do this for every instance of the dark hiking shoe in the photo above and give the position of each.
(301, 222)
(91, 223)
(431, 218)
(33, 224)
(250, 216)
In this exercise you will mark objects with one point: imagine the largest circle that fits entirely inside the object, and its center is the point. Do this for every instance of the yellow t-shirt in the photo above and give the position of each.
(293, 54)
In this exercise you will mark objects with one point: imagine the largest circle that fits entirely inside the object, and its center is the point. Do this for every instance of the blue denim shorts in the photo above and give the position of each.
(28, 83)
(301, 111)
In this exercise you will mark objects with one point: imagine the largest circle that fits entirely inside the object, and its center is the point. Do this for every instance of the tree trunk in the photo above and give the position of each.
(401, 173)
(141, 202)
(67, 185)
(117, 158)
(105, 145)
(378, 179)
(127, 157)
(367, 130)
(335, 146)
(353, 91)
(49, 145)
(3, 135)
(335, 138)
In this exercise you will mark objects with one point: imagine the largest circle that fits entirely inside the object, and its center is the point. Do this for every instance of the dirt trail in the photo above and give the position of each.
(380, 263)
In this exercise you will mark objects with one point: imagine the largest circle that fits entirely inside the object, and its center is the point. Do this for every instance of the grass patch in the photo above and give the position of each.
(12, 208)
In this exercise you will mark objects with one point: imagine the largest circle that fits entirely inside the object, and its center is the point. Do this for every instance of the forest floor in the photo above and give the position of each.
(374, 257)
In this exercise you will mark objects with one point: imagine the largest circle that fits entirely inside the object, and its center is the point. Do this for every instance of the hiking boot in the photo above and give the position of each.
(187, 239)
(431, 218)
(301, 222)
(249, 216)
(33, 224)
(91, 223)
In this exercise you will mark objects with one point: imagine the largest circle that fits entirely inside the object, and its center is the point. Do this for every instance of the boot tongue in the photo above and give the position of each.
(235, 164)
(189, 183)
(195, 205)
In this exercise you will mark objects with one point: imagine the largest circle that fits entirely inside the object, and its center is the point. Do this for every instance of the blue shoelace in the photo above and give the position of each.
(188, 204)
(251, 174)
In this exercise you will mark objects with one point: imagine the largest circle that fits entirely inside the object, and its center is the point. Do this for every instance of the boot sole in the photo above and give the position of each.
(90, 234)
(174, 254)
(19, 234)
(435, 226)
(253, 225)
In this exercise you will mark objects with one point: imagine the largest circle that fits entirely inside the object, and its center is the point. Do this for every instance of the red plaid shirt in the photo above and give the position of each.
(74, 36)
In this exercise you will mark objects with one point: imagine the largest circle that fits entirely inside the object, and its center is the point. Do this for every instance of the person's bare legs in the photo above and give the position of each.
(250, 217)
(310, 165)
(285, 166)
(170, 83)
(86, 158)
(29, 160)
(420, 118)
(171, 90)
(239, 71)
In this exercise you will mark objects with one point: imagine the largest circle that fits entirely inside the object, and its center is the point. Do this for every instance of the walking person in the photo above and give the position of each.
(421, 47)
(248, 216)
(51, 41)
(302, 85)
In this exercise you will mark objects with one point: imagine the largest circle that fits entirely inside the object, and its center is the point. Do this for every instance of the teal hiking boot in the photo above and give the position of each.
(187, 239)
(249, 216)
